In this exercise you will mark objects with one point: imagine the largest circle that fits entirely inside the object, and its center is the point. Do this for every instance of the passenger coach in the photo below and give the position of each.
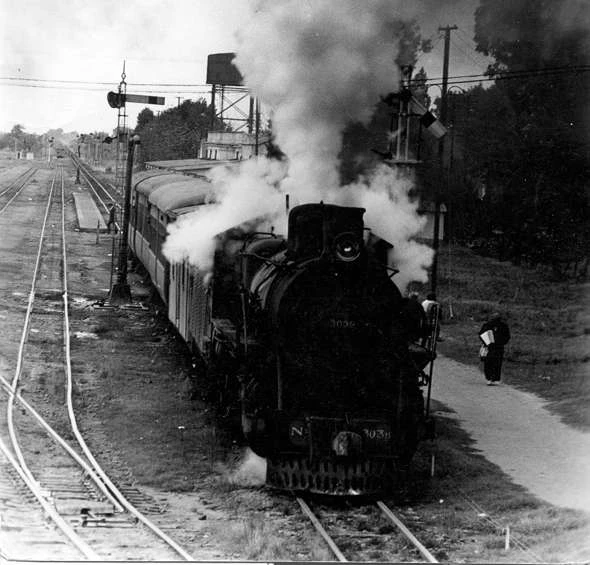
(157, 199)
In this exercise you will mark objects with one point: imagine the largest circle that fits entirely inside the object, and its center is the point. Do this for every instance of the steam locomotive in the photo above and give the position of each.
(305, 337)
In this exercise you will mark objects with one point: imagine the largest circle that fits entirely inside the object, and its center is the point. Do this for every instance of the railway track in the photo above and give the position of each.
(103, 195)
(369, 528)
(43, 474)
(13, 188)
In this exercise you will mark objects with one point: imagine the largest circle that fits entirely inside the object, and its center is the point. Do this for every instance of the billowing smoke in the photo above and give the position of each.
(242, 194)
(250, 470)
(391, 214)
(318, 66)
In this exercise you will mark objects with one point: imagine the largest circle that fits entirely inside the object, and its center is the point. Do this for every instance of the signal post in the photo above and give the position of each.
(121, 291)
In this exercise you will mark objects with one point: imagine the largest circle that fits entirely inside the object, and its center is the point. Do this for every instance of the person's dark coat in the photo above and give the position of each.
(414, 320)
(492, 363)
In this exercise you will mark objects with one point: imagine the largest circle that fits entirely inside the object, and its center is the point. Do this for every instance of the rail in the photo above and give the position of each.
(24, 178)
(389, 514)
(19, 463)
(93, 469)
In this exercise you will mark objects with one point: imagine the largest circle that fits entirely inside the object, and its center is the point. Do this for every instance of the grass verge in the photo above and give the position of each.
(549, 321)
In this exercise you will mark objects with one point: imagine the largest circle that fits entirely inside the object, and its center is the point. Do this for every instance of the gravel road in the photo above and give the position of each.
(515, 430)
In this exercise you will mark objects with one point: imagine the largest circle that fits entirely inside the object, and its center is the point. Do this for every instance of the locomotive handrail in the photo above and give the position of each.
(434, 322)
(253, 235)
(267, 260)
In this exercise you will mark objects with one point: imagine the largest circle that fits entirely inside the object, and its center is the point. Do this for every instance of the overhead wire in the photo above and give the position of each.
(84, 89)
(423, 53)
(509, 75)
(112, 83)
(477, 76)
(538, 71)
(169, 87)
(469, 43)
(466, 55)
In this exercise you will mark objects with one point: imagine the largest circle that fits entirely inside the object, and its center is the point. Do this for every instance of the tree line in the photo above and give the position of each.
(19, 140)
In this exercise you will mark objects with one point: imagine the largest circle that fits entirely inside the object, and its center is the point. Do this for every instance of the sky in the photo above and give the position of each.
(160, 41)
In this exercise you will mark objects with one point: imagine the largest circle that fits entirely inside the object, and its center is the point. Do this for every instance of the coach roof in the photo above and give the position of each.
(146, 182)
(182, 194)
(171, 191)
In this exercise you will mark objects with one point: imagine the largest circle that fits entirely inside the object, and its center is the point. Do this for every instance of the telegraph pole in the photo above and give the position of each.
(441, 147)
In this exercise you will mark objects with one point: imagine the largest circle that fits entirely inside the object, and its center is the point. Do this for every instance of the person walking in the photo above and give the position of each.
(494, 334)
(111, 222)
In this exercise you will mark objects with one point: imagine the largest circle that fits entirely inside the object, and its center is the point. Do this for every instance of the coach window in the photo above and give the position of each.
(161, 239)
(176, 266)
(154, 228)
(144, 219)
(148, 224)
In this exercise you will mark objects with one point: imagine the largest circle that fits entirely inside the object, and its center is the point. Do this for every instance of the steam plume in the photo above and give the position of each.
(318, 65)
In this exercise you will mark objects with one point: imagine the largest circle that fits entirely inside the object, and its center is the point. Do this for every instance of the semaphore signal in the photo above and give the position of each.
(119, 99)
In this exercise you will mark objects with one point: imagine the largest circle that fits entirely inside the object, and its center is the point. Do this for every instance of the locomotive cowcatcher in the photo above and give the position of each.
(310, 344)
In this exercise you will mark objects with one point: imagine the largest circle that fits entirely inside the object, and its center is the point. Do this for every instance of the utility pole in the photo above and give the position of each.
(441, 149)
(121, 291)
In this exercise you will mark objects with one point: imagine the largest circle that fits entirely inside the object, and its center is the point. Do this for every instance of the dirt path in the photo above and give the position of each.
(514, 430)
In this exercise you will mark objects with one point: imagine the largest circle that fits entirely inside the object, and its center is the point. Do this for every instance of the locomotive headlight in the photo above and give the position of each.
(347, 246)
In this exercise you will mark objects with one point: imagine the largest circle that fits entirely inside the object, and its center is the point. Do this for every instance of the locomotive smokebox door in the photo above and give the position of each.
(347, 444)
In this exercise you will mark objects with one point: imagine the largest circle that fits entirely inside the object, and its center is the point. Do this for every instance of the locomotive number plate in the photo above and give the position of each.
(338, 324)
(298, 434)
(377, 434)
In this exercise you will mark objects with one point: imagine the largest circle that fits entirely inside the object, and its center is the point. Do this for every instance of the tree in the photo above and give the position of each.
(177, 132)
(527, 139)
(17, 131)
(144, 118)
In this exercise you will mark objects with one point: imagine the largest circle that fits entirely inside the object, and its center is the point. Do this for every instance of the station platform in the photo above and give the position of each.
(89, 217)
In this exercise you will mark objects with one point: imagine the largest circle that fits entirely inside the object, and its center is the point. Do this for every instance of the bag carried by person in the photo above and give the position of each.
(483, 352)
(487, 337)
